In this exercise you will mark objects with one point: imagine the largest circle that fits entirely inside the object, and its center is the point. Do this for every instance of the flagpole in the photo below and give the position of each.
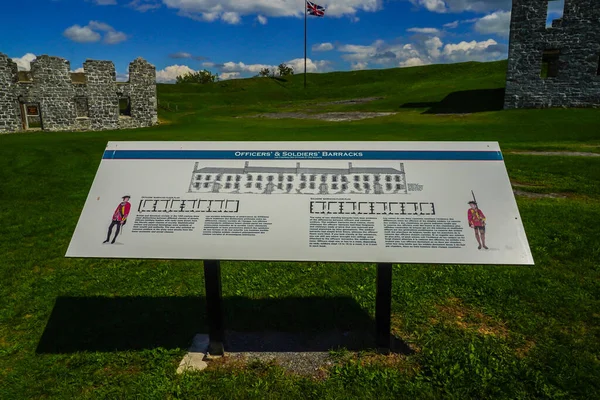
(305, 44)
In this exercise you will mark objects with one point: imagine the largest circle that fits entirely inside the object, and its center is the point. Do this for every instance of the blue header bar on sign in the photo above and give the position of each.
(417, 155)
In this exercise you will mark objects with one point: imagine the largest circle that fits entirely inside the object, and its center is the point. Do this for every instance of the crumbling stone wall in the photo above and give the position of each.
(142, 81)
(577, 37)
(89, 102)
(52, 89)
(10, 117)
(103, 101)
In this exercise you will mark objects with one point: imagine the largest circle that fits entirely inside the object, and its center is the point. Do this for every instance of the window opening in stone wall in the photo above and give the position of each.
(555, 12)
(25, 76)
(31, 116)
(550, 63)
(125, 106)
(81, 107)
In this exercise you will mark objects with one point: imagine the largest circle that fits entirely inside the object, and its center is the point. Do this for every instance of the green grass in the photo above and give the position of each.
(478, 331)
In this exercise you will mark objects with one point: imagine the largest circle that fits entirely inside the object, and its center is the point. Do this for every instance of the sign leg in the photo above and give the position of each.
(214, 306)
(383, 307)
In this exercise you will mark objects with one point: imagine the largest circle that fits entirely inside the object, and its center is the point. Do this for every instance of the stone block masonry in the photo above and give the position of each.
(558, 66)
(51, 98)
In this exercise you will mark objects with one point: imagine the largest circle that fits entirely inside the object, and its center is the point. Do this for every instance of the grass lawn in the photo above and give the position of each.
(83, 328)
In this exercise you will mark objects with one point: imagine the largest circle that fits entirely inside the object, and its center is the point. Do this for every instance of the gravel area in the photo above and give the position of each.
(351, 101)
(532, 195)
(557, 153)
(331, 116)
(302, 363)
(303, 353)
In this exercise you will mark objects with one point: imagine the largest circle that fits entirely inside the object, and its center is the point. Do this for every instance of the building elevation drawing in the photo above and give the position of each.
(298, 180)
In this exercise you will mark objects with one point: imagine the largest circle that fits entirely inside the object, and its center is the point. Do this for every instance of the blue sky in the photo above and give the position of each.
(236, 38)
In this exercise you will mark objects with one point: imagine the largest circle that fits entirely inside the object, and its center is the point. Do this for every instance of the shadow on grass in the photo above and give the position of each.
(464, 102)
(274, 325)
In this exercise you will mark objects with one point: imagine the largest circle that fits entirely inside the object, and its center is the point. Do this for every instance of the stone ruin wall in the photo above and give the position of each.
(68, 104)
(576, 35)
(10, 116)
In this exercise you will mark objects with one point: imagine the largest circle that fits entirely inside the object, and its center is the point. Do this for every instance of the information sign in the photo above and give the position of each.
(384, 202)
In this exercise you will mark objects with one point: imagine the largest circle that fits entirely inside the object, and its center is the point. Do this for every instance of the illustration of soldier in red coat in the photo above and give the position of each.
(119, 218)
(477, 222)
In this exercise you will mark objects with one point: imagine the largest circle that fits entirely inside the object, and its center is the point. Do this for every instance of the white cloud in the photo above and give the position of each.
(311, 66)
(262, 19)
(433, 31)
(24, 63)
(422, 50)
(113, 37)
(145, 5)
(79, 70)
(412, 62)
(456, 6)
(81, 34)
(105, 2)
(233, 70)
(433, 46)
(210, 10)
(229, 75)
(180, 54)
(241, 67)
(91, 33)
(359, 65)
(322, 47)
(431, 5)
(122, 77)
(354, 19)
(100, 26)
(170, 73)
(231, 17)
(451, 25)
(497, 23)
(474, 51)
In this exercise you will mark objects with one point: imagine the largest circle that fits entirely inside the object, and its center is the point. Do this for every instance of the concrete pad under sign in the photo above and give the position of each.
(194, 359)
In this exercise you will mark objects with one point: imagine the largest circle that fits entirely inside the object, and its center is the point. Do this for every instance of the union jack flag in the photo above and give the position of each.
(315, 9)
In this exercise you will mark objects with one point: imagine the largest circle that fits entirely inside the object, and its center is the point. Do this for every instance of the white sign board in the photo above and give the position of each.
(401, 202)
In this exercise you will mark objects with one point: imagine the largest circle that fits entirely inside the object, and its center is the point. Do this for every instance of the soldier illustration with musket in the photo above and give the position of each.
(477, 222)
(119, 218)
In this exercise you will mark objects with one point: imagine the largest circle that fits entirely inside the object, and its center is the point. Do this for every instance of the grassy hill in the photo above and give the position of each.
(97, 328)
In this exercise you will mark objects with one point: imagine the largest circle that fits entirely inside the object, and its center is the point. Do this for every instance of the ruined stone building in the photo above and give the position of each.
(556, 66)
(51, 98)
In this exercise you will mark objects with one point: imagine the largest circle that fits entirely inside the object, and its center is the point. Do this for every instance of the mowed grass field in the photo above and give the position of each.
(90, 328)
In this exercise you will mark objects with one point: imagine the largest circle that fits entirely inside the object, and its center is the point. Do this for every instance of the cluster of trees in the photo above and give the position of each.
(282, 69)
(203, 76)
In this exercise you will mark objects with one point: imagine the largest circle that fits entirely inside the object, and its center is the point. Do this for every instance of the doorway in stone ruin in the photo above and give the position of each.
(31, 116)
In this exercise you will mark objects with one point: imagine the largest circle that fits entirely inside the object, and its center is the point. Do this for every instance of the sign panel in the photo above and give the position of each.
(32, 110)
(402, 202)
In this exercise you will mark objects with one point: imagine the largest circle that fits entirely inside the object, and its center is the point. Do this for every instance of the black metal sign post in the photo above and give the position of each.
(383, 308)
(214, 306)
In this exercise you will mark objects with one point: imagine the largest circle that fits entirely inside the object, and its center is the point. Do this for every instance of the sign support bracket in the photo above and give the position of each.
(383, 308)
(214, 306)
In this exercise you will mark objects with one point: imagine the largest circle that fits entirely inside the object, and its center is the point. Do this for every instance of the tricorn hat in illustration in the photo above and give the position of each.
(126, 196)
(472, 202)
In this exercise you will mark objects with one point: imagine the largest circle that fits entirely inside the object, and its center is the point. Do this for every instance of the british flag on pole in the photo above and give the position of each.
(315, 9)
